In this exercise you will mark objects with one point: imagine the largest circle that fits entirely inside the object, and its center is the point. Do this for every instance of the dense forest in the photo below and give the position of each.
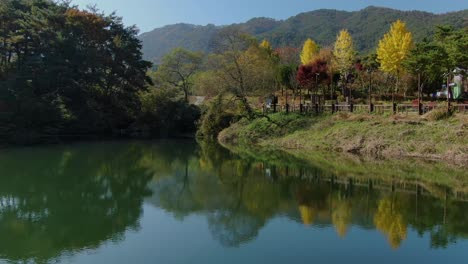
(367, 27)
(67, 72)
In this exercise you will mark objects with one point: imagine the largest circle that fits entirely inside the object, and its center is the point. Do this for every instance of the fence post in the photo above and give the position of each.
(394, 108)
(287, 108)
(301, 108)
(420, 108)
(351, 108)
(317, 108)
(333, 108)
(371, 108)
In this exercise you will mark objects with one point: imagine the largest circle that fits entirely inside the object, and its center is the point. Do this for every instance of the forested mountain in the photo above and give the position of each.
(366, 26)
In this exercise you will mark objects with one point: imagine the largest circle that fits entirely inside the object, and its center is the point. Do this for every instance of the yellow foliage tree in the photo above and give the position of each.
(393, 49)
(309, 51)
(344, 52)
(266, 45)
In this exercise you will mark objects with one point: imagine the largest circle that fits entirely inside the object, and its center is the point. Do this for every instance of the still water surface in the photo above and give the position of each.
(177, 202)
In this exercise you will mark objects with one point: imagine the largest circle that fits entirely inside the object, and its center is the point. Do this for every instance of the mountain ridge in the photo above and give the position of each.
(366, 26)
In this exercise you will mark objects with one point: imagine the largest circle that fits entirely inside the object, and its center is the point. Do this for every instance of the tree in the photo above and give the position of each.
(313, 74)
(266, 46)
(393, 49)
(370, 65)
(288, 59)
(454, 43)
(165, 113)
(458, 45)
(426, 61)
(344, 54)
(309, 50)
(326, 54)
(242, 67)
(66, 70)
(288, 55)
(178, 68)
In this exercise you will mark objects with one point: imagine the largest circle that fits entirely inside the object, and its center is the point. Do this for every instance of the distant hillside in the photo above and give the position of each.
(366, 26)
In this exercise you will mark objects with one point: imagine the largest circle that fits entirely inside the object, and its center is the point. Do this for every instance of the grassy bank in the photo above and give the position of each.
(429, 174)
(429, 137)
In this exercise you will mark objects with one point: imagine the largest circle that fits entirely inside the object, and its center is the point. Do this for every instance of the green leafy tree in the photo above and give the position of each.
(243, 68)
(454, 44)
(426, 61)
(65, 70)
(178, 69)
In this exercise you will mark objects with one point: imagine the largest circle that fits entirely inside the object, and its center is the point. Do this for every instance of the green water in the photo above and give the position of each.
(178, 202)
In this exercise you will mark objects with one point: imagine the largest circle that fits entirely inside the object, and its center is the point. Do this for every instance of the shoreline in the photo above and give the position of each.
(361, 135)
(348, 166)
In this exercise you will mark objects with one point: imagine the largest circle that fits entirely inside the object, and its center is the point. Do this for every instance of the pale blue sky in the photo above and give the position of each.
(149, 14)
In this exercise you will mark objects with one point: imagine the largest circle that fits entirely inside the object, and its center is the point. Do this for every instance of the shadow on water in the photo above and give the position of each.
(66, 199)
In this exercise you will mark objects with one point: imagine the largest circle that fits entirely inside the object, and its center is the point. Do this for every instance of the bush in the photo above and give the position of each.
(438, 114)
(341, 98)
(164, 113)
(215, 117)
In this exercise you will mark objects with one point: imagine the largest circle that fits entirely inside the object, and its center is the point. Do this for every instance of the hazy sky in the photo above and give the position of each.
(149, 14)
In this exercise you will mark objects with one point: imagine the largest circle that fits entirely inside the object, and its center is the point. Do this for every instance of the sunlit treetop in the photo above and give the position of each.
(344, 52)
(394, 48)
(309, 51)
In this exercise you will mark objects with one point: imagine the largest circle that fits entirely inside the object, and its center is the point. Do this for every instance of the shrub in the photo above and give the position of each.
(438, 114)
(215, 117)
(164, 113)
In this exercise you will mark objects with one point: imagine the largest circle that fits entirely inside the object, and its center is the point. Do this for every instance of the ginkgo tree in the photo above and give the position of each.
(393, 49)
(266, 46)
(344, 55)
(309, 50)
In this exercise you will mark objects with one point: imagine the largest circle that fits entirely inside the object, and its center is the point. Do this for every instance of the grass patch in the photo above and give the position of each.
(363, 134)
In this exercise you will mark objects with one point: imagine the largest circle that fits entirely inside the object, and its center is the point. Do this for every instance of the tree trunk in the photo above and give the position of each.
(247, 108)
(395, 89)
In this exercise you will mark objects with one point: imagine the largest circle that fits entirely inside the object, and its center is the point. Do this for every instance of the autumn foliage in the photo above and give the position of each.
(394, 48)
(317, 71)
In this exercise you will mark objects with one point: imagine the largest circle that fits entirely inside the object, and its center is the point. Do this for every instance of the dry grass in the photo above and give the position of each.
(371, 135)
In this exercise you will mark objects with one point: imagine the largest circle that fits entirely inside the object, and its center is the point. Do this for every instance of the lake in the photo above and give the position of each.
(180, 202)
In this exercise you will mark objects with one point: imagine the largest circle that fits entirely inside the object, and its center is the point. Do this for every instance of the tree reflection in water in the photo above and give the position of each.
(61, 200)
(240, 194)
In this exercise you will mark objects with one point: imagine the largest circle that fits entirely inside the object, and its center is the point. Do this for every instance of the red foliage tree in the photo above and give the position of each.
(309, 74)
